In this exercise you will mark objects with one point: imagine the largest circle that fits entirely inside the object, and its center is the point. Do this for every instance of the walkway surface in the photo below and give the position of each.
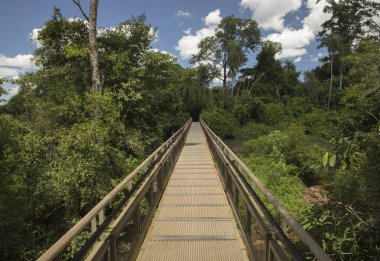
(194, 220)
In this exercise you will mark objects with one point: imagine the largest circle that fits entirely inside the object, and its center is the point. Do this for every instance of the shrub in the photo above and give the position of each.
(273, 113)
(221, 122)
(241, 114)
(252, 130)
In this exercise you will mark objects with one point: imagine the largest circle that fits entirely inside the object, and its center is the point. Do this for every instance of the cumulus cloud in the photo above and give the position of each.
(294, 42)
(11, 67)
(213, 18)
(269, 14)
(316, 15)
(33, 37)
(188, 44)
(20, 60)
(298, 59)
(182, 13)
(156, 50)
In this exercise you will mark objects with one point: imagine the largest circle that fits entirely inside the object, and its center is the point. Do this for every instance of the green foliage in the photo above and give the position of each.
(241, 113)
(221, 122)
(273, 113)
(265, 156)
(252, 130)
(62, 147)
(234, 37)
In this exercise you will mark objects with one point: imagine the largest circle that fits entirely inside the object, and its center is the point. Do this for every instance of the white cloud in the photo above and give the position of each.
(188, 44)
(9, 73)
(287, 53)
(14, 90)
(315, 58)
(156, 50)
(187, 31)
(316, 15)
(293, 42)
(20, 60)
(12, 67)
(269, 14)
(33, 37)
(183, 14)
(213, 18)
(298, 59)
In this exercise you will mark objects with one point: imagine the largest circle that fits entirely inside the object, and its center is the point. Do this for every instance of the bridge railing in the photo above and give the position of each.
(118, 223)
(263, 234)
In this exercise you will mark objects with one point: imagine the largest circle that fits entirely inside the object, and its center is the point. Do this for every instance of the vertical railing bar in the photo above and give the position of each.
(93, 225)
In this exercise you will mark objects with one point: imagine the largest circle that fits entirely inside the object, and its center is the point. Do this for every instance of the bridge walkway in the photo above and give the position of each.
(194, 220)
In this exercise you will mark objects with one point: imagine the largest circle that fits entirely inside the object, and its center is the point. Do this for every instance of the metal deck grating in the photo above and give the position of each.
(194, 220)
(193, 199)
(193, 250)
(215, 228)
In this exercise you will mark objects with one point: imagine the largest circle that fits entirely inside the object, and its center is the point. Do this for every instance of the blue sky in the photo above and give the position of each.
(181, 25)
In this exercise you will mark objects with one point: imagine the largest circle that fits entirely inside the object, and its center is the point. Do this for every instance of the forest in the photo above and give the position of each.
(313, 139)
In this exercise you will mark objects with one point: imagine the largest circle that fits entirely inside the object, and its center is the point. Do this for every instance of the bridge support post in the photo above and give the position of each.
(113, 248)
(248, 218)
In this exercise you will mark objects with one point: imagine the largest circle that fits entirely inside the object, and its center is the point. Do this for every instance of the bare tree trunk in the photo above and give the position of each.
(224, 77)
(331, 80)
(341, 77)
(96, 77)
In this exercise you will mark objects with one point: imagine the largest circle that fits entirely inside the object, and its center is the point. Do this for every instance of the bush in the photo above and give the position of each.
(252, 130)
(278, 178)
(241, 114)
(221, 122)
(273, 113)
(320, 123)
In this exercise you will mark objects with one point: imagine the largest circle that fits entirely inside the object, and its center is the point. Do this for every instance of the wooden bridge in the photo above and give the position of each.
(192, 199)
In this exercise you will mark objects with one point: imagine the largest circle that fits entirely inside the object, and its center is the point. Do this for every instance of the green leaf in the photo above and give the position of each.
(332, 160)
(325, 159)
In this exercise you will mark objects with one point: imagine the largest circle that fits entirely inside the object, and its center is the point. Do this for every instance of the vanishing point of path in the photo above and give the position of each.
(194, 220)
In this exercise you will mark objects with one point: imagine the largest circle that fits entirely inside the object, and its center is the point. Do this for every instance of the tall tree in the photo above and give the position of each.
(228, 48)
(350, 20)
(97, 85)
(331, 42)
(2, 91)
(97, 81)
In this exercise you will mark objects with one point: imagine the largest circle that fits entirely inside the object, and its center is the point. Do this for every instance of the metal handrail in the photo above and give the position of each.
(98, 210)
(287, 217)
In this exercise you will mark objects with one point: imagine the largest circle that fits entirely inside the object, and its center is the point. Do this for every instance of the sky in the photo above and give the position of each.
(181, 25)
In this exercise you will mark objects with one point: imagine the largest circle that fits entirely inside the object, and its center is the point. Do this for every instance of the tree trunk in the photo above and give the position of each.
(225, 70)
(331, 81)
(96, 78)
(341, 77)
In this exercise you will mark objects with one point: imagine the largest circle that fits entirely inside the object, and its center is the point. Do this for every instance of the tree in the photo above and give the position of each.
(331, 43)
(350, 19)
(97, 85)
(97, 81)
(228, 48)
(2, 91)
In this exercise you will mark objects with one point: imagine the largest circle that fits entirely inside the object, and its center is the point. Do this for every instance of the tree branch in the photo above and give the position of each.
(373, 22)
(77, 3)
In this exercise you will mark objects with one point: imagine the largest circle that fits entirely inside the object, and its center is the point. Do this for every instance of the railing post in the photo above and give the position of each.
(113, 248)
(93, 225)
(247, 221)
(267, 238)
